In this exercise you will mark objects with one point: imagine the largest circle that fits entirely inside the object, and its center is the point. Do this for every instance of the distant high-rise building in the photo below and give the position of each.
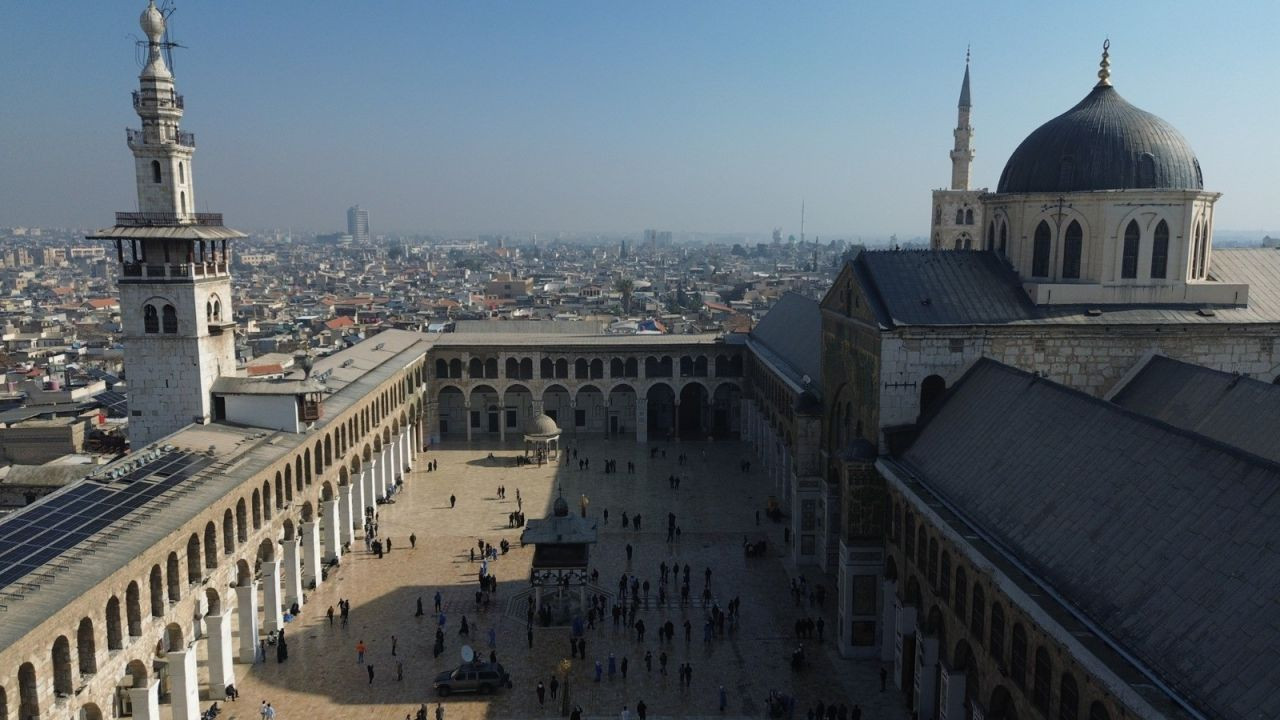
(358, 224)
(657, 238)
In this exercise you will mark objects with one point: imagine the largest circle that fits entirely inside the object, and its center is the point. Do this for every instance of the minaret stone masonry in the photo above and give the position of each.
(962, 153)
(175, 285)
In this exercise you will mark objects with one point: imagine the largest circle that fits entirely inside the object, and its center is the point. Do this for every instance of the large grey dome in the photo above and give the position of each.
(1103, 143)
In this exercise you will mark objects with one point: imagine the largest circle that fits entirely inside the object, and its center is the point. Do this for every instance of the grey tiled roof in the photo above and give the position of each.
(791, 332)
(971, 287)
(1169, 541)
(1236, 410)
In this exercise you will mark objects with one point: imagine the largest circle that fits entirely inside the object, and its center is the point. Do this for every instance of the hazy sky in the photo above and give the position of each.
(612, 116)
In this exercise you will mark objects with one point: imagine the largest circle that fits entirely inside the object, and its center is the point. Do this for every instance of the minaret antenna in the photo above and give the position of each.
(801, 221)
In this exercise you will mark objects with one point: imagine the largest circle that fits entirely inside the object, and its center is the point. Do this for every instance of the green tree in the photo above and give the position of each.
(627, 287)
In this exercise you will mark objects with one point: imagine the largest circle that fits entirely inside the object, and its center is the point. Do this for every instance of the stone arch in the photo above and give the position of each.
(658, 367)
(517, 404)
(581, 369)
(256, 505)
(137, 672)
(90, 711)
(964, 661)
(63, 678)
(343, 477)
(28, 691)
(326, 491)
(297, 473)
(621, 404)
(596, 370)
(266, 500)
(174, 639)
(512, 369)
(115, 631)
(280, 489)
(244, 573)
(932, 388)
(288, 530)
(475, 369)
(242, 521)
(194, 562)
(228, 532)
(307, 512)
(1001, 706)
(616, 368)
(133, 609)
(693, 413)
(173, 576)
(442, 369)
(726, 408)
(306, 469)
(86, 648)
(660, 399)
(557, 404)
(491, 368)
(318, 457)
(213, 600)
(266, 551)
(328, 453)
(157, 592)
(590, 409)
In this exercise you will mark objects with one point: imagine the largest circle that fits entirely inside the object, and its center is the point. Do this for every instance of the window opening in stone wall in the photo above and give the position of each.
(170, 316)
(1040, 251)
(150, 319)
(1160, 251)
(1129, 261)
(155, 171)
(1073, 247)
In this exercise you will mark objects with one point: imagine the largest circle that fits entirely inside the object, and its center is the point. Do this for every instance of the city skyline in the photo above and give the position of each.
(581, 119)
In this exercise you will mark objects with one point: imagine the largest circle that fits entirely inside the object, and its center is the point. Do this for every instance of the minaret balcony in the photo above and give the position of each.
(174, 100)
(137, 138)
(172, 272)
(162, 219)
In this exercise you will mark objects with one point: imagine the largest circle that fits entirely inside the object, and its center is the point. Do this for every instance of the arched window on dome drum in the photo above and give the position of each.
(1202, 265)
(1073, 245)
(991, 236)
(1004, 238)
(968, 217)
(150, 319)
(1129, 261)
(1160, 251)
(959, 217)
(1040, 251)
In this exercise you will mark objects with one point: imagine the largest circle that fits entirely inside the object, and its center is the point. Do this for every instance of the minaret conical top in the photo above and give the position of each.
(152, 23)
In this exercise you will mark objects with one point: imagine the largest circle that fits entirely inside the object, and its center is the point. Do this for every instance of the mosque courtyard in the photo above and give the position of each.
(715, 506)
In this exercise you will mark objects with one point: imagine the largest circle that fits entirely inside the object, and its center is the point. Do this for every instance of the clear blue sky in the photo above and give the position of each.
(612, 116)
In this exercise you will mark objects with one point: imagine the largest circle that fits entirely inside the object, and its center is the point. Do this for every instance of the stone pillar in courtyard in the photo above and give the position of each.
(310, 555)
(272, 617)
(394, 460)
(146, 701)
(184, 688)
(332, 531)
(406, 449)
(221, 670)
(375, 487)
(346, 513)
(292, 574)
(642, 418)
(247, 614)
(466, 418)
(432, 422)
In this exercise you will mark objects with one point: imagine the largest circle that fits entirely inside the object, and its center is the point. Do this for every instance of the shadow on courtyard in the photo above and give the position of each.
(715, 510)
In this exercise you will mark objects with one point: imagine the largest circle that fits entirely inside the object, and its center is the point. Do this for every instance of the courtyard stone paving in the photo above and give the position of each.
(715, 508)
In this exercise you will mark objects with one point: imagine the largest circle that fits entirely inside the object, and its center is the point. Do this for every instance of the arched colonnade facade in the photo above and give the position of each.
(662, 393)
(222, 579)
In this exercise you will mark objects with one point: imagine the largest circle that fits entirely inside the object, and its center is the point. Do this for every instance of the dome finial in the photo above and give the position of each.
(1104, 67)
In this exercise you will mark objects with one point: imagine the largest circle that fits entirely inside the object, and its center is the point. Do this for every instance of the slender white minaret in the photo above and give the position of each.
(962, 154)
(175, 284)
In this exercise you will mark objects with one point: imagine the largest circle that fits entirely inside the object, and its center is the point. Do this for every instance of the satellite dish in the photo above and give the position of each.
(468, 654)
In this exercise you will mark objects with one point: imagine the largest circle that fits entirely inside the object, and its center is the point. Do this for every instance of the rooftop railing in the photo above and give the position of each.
(158, 219)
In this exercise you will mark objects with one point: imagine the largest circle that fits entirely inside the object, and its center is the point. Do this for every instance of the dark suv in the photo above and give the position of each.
(476, 677)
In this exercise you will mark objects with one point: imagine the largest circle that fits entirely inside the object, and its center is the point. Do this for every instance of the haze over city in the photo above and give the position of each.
(585, 117)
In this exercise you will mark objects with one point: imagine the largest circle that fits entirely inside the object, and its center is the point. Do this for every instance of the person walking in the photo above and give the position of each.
(613, 666)
(393, 644)
(370, 669)
(399, 671)
(542, 693)
(555, 683)
(439, 711)
(724, 699)
(648, 664)
(417, 613)
(438, 601)
(453, 500)
(413, 540)
(329, 614)
(624, 668)
(599, 671)
(360, 653)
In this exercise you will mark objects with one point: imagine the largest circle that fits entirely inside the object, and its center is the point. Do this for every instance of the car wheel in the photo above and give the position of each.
(486, 689)
(443, 691)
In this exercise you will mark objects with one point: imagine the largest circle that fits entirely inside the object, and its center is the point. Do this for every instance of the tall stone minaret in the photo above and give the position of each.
(175, 286)
(962, 154)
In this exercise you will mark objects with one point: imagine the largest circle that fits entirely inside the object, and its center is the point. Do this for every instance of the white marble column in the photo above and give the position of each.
(359, 498)
(346, 516)
(415, 444)
(406, 445)
(221, 671)
(247, 610)
(184, 688)
(146, 701)
(292, 574)
(384, 463)
(274, 619)
(332, 531)
(310, 555)
(397, 460)
(374, 473)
